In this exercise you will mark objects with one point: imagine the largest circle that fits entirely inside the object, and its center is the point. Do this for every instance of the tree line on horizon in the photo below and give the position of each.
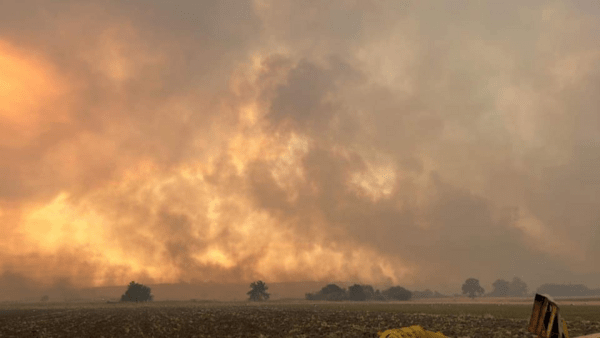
(359, 292)
(471, 288)
(518, 288)
(501, 288)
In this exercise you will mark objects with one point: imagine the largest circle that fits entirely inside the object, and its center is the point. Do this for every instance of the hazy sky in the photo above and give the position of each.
(409, 143)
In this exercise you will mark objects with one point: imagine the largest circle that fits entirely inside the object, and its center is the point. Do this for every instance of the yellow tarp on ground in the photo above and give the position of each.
(415, 331)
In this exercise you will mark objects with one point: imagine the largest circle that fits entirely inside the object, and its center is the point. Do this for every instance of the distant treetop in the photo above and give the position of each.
(137, 293)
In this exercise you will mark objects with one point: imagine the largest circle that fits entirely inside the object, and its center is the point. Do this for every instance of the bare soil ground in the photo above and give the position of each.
(276, 319)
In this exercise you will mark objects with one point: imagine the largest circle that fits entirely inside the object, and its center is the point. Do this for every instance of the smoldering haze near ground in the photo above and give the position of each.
(406, 143)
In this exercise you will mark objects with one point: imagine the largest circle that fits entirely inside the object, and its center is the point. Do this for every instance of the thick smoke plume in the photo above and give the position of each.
(383, 142)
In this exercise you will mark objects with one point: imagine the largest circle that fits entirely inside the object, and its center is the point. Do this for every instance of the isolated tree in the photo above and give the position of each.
(357, 293)
(44, 298)
(137, 293)
(397, 293)
(501, 288)
(517, 288)
(258, 292)
(472, 288)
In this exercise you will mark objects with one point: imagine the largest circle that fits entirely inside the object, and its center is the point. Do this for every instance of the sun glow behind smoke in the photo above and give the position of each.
(224, 232)
(277, 253)
(27, 86)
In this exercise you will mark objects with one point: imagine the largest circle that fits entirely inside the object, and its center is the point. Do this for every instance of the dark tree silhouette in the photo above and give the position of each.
(501, 288)
(331, 288)
(517, 288)
(44, 298)
(397, 293)
(369, 291)
(378, 296)
(333, 292)
(329, 292)
(472, 288)
(137, 293)
(258, 291)
(357, 293)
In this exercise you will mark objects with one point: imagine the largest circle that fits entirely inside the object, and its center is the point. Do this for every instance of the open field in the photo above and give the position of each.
(276, 319)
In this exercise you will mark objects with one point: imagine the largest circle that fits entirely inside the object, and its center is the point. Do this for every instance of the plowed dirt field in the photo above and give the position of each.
(187, 319)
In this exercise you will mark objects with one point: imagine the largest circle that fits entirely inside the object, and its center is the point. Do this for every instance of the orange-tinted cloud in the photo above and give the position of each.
(394, 142)
(28, 85)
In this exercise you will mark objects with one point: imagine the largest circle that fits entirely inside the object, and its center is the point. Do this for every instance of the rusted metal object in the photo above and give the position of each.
(545, 318)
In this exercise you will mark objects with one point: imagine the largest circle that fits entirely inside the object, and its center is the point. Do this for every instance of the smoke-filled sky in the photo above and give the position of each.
(414, 143)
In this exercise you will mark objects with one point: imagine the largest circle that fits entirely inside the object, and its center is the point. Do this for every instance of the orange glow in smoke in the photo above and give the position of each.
(29, 90)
